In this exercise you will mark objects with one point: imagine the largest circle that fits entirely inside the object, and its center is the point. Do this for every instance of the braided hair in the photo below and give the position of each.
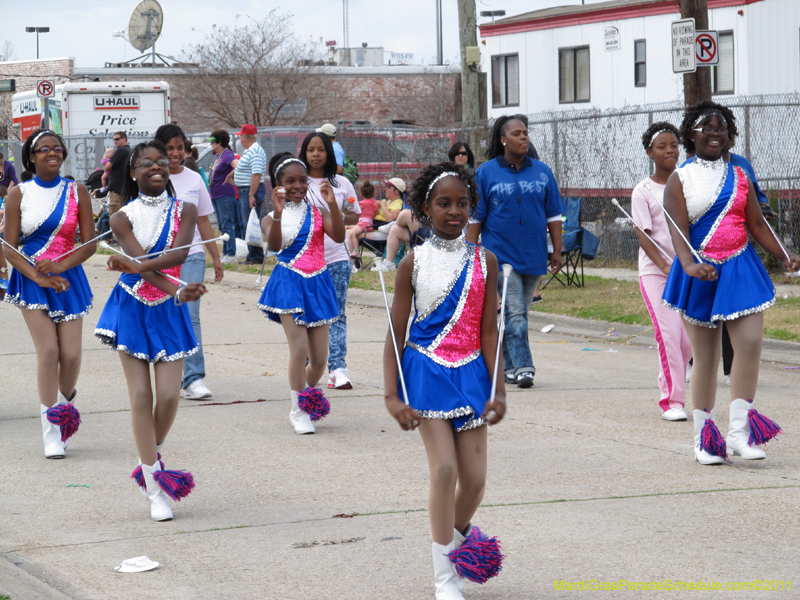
(130, 189)
(27, 147)
(699, 114)
(495, 147)
(421, 191)
(658, 128)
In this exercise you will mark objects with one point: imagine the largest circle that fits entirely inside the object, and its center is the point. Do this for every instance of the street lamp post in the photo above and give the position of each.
(37, 31)
(493, 14)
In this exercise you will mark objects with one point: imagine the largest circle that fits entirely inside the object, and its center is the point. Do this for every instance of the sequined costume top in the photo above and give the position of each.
(449, 282)
(302, 239)
(154, 221)
(716, 200)
(49, 218)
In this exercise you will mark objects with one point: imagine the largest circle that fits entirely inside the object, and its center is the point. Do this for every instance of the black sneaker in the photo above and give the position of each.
(525, 380)
(537, 299)
(509, 378)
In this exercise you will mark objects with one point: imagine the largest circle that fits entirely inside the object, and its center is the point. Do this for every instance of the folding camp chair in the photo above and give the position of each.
(576, 244)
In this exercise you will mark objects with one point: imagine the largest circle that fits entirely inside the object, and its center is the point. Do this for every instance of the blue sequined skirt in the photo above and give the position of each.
(75, 303)
(438, 392)
(312, 300)
(151, 333)
(742, 288)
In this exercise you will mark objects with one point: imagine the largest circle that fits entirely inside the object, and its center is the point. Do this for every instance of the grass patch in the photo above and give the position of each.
(600, 299)
(369, 280)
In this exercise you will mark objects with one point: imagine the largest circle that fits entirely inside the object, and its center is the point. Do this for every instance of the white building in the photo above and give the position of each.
(615, 54)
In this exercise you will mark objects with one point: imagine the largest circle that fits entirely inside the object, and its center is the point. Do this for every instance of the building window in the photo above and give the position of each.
(573, 69)
(505, 80)
(640, 63)
(722, 75)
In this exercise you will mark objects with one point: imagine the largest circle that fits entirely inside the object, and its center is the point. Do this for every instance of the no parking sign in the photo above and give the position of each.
(706, 46)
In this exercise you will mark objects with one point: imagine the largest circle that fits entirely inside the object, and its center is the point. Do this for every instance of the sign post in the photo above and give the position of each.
(683, 46)
(45, 89)
(706, 48)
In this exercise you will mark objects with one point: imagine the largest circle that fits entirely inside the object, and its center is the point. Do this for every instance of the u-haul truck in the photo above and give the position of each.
(96, 108)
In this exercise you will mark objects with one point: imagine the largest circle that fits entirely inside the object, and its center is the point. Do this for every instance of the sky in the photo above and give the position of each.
(83, 28)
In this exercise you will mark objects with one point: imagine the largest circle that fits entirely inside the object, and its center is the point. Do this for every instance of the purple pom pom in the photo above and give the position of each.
(314, 403)
(66, 416)
(762, 429)
(711, 440)
(176, 484)
(478, 559)
(139, 478)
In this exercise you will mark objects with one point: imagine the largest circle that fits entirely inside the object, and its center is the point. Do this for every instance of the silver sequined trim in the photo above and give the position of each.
(64, 214)
(37, 204)
(715, 318)
(134, 291)
(58, 316)
(462, 411)
(459, 309)
(717, 223)
(441, 262)
(294, 311)
(289, 228)
(153, 200)
(441, 361)
(471, 424)
(107, 337)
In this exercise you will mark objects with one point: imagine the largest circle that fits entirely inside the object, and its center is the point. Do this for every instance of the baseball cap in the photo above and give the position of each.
(247, 129)
(328, 129)
(396, 182)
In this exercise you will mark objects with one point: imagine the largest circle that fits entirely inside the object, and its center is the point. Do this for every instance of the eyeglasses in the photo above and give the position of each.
(43, 150)
(712, 130)
(146, 163)
(462, 153)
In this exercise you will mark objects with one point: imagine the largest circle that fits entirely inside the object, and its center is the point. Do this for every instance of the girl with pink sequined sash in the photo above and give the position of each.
(300, 293)
(447, 365)
(49, 285)
(145, 318)
(717, 276)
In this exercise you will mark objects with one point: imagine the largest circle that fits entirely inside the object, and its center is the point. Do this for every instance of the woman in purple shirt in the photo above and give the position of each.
(223, 195)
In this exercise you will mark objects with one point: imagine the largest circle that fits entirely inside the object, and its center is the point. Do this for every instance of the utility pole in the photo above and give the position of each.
(697, 85)
(470, 77)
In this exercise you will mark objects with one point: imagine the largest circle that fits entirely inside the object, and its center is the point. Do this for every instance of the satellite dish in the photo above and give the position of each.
(145, 25)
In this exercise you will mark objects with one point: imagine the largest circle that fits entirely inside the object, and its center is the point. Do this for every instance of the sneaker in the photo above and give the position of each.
(537, 299)
(353, 269)
(525, 380)
(384, 229)
(250, 261)
(388, 265)
(338, 379)
(196, 391)
(228, 260)
(509, 378)
(688, 373)
(728, 380)
(674, 414)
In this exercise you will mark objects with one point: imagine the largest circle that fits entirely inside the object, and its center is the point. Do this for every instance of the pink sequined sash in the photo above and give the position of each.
(62, 239)
(310, 257)
(727, 237)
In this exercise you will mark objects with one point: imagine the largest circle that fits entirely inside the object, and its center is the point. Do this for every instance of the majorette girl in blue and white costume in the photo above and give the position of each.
(715, 206)
(51, 288)
(300, 293)
(144, 317)
(447, 365)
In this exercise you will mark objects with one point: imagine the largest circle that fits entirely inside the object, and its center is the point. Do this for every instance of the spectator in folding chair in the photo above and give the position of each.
(369, 208)
(518, 201)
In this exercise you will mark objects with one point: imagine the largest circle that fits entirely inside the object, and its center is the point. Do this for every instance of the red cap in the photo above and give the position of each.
(247, 129)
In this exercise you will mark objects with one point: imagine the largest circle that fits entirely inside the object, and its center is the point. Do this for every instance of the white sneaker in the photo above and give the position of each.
(196, 391)
(338, 379)
(388, 265)
(674, 414)
(688, 373)
(353, 269)
(728, 380)
(384, 229)
(228, 260)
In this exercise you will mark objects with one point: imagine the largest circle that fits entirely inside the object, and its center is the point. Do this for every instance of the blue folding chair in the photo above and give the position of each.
(577, 243)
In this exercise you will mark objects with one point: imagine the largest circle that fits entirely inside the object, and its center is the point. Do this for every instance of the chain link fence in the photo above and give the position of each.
(595, 155)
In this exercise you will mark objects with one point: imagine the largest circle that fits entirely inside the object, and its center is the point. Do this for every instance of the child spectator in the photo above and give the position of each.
(369, 208)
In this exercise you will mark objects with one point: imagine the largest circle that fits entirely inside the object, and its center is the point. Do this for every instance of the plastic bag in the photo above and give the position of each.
(253, 233)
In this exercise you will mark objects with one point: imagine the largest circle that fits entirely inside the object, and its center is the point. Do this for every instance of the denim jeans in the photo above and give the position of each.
(194, 366)
(337, 336)
(254, 253)
(226, 208)
(516, 349)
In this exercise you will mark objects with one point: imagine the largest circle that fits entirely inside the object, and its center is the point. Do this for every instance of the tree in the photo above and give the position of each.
(260, 73)
(7, 51)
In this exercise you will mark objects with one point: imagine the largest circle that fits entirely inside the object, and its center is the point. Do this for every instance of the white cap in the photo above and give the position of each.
(328, 129)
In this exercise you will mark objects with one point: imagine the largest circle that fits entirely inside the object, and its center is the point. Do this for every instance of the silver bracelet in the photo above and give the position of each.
(177, 298)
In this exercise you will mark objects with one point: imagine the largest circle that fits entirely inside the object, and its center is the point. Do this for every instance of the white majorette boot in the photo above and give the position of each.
(709, 445)
(53, 446)
(445, 577)
(458, 541)
(300, 421)
(159, 506)
(749, 429)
